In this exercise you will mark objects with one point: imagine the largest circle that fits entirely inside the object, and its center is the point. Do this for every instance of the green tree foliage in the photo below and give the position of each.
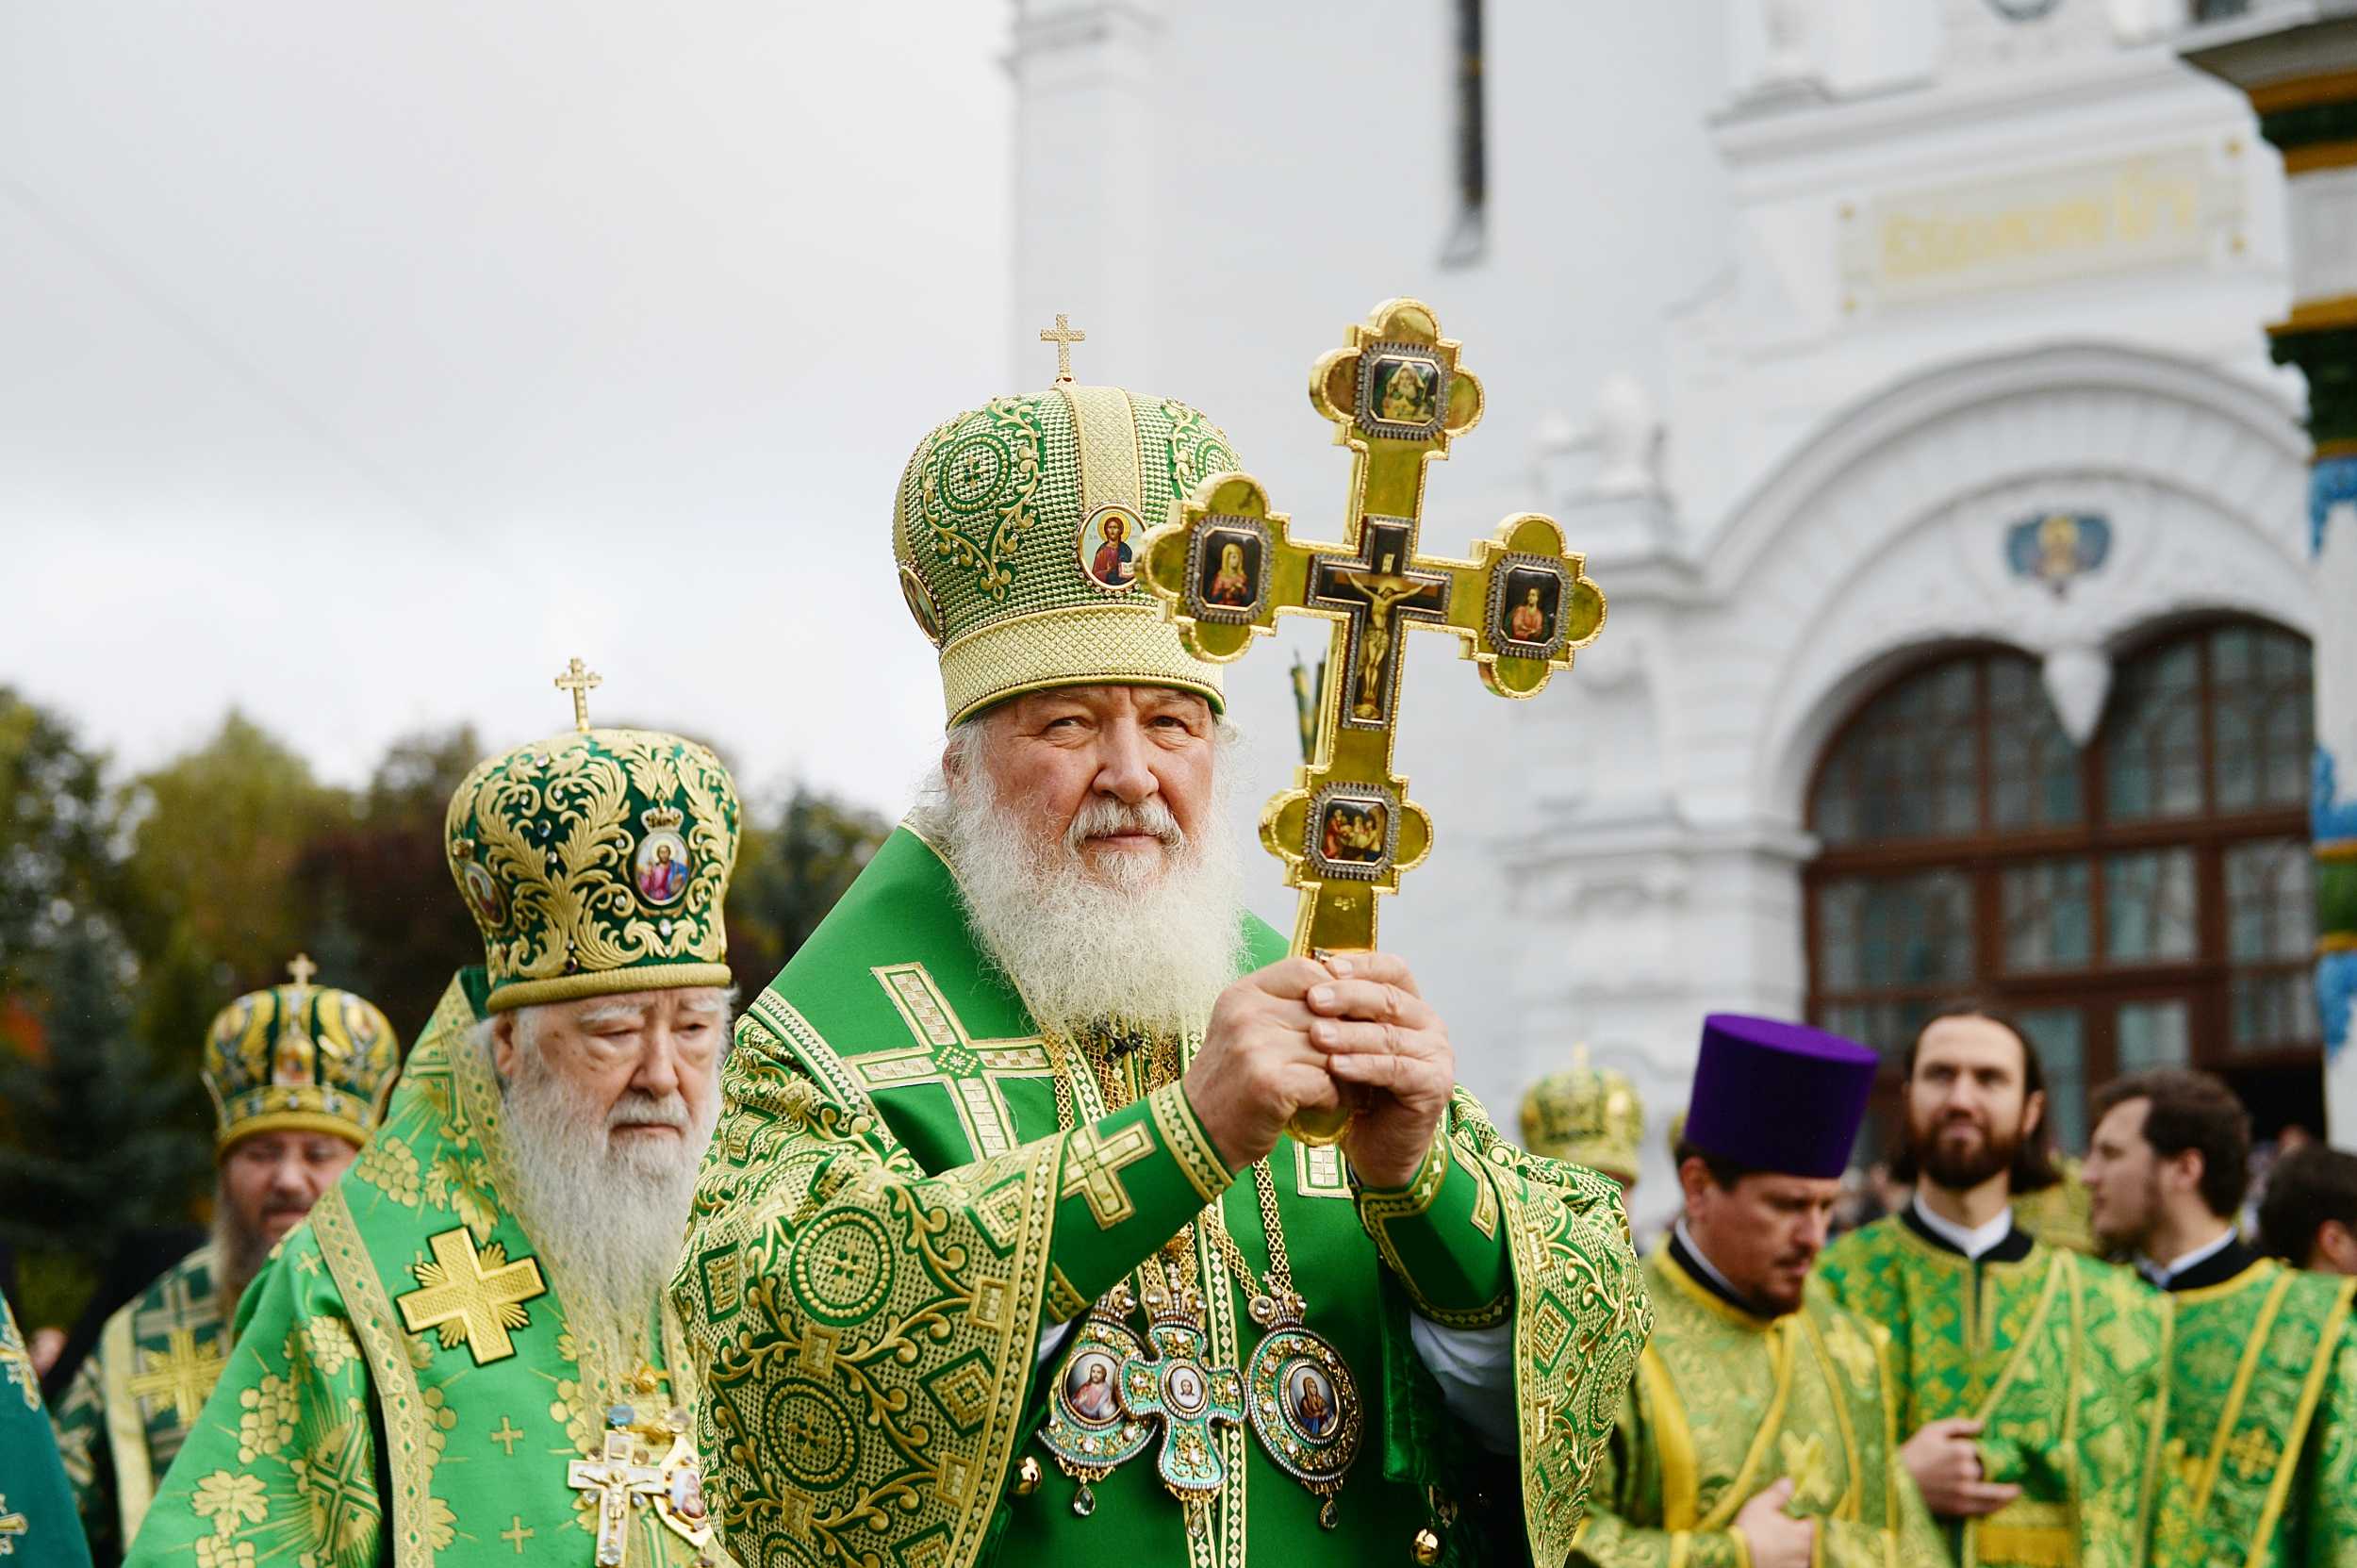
(97, 1146)
(385, 919)
(788, 874)
(56, 831)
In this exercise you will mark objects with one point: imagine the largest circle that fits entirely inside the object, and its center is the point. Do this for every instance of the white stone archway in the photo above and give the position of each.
(1883, 535)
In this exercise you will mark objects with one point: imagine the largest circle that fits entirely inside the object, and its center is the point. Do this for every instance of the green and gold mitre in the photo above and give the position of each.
(1588, 1116)
(596, 862)
(299, 1058)
(1017, 534)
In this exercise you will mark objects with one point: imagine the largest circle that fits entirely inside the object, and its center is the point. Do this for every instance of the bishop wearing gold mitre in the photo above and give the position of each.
(1587, 1115)
(1003, 1254)
(461, 1357)
(1759, 1433)
(298, 1074)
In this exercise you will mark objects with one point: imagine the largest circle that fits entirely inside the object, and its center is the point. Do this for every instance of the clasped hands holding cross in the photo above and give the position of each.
(1309, 1035)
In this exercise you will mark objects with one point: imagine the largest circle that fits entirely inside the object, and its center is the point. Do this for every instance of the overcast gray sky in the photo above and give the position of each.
(360, 363)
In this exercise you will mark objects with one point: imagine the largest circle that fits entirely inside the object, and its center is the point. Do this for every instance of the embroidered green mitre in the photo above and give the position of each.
(595, 862)
(299, 1058)
(1017, 534)
(1588, 1116)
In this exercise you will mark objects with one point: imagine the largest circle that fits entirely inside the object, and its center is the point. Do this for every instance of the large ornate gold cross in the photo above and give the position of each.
(1229, 566)
(470, 1296)
(180, 1375)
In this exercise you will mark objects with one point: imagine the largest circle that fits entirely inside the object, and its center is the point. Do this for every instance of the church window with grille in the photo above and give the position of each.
(2142, 901)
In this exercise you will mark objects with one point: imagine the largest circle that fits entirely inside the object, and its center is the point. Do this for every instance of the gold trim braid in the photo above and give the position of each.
(370, 1311)
(1120, 643)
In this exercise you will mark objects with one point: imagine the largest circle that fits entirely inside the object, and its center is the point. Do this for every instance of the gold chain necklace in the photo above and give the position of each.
(1112, 1392)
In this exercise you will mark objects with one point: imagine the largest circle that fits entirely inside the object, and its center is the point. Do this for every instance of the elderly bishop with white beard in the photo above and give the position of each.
(1002, 1253)
(464, 1356)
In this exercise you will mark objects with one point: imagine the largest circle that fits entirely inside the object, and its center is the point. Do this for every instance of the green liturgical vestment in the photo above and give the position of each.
(894, 1221)
(2261, 1465)
(2062, 1358)
(404, 1387)
(1725, 1403)
(132, 1401)
(37, 1526)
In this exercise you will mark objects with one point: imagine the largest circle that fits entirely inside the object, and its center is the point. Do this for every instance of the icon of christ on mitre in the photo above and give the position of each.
(1012, 1126)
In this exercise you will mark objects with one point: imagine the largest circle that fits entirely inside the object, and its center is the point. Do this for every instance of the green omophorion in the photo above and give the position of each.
(891, 1219)
(130, 1405)
(404, 1387)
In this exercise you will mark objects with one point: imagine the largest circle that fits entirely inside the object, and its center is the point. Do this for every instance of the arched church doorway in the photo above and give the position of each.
(2141, 902)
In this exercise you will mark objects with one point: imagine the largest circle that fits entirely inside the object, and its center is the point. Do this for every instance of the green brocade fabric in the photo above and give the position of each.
(131, 1402)
(2261, 1465)
(2063, 1359)
(890, 1217)
(37, 1524)
(1724, 1405)
(340, 1435)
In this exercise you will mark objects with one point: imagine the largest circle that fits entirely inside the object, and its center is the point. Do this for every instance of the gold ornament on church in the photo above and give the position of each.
(1229, 566)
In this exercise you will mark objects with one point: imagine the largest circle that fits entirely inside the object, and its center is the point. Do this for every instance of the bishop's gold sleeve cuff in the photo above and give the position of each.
(1126, 1185)
(1440, 1236)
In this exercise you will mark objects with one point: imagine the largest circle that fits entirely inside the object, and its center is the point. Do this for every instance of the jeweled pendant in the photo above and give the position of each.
(1304, 1407)
(1084, 1500)
(1329, 1516)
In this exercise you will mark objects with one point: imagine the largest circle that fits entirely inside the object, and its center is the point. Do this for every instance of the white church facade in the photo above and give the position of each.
(1899, 365)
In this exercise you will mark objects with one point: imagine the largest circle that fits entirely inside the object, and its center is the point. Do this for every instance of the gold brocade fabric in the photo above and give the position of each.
(1724, 1405)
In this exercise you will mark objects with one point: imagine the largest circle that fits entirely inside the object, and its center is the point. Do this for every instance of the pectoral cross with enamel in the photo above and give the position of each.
(1229, 566)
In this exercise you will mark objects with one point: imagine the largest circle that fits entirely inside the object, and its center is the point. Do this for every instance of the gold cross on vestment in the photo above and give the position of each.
(1093, 1169)
(1229, 566)
(518, 1532)
(580, 681)
(181, 1373)
(616, 1476)
(972, 1071)
(11, 1525)
(1063, 336)
(478, 1297)
(302, 969)
(507, 1436)
(2253, 1454)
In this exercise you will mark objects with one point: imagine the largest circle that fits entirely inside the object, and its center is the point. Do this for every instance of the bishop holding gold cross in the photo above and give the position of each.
(1007, 1253)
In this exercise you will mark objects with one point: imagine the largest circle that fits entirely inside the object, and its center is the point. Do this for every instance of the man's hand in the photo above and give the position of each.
(1379, 1037)
(1256, 1068)
(1776, 1539)
(1947, 1470)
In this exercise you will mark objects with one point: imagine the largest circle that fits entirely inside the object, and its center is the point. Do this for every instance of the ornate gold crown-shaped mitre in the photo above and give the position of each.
(299, 1058)
(1016, 533)
(1588, 1116)
(595, 862)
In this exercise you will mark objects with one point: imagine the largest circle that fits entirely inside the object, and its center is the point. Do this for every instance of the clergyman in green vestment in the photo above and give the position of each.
(298, 1074)
(2260, 1467)
(1000, 1254)
(461, 1357)
(39, 1528)
(2031, 1378)
(1760, 1431)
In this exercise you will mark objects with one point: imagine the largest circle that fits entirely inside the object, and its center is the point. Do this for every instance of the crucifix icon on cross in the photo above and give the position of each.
(1229, 566)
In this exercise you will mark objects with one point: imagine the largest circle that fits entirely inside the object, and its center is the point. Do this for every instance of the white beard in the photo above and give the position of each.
(1147, 944)
(610, 1218)
(238, 1253)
